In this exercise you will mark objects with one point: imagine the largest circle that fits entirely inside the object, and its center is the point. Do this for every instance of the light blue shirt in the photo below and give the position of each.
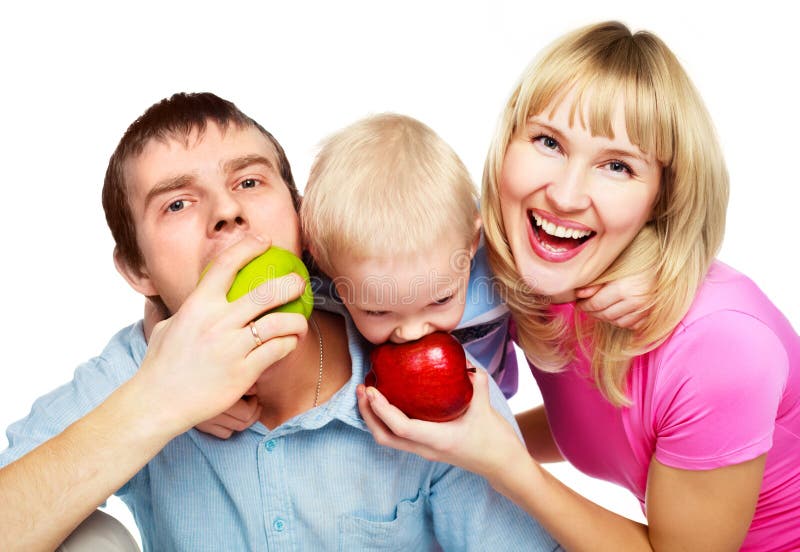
(317, 482)
(484, 329)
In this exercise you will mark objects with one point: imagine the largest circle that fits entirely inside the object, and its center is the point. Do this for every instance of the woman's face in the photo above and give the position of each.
(571, 202)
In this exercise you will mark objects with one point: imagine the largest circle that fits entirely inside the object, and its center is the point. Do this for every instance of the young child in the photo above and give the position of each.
(390, 215)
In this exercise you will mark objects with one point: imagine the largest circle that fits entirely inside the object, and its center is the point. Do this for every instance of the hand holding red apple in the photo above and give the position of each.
(427, 379)
(481, 440)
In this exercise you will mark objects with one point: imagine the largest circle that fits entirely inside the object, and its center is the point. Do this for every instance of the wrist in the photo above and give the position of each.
(146, 412)
(519, 471)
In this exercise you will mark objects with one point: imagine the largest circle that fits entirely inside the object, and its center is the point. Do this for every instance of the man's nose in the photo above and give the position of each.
(228, 212)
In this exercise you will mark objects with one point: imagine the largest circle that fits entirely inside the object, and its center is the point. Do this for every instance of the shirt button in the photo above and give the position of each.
(270, 445)
(279, 524)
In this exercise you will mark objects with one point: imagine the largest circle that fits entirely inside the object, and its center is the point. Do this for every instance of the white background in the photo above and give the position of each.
(74, 77)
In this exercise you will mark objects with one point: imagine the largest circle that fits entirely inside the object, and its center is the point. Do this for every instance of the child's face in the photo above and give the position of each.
(402, 299)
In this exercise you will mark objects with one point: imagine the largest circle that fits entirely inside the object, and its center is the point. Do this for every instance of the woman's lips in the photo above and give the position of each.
(555, 240)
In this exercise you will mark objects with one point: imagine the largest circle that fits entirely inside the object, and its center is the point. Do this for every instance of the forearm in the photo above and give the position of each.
(48, 492)
(537, 435)
(577, 523)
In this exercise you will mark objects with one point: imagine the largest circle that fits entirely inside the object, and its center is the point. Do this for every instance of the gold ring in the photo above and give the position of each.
(254, 331)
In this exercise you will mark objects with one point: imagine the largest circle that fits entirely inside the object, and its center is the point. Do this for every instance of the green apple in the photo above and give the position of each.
(273, 263)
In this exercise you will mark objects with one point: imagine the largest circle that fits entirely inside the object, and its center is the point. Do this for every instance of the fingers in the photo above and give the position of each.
(586, 292)
(382, 434)
(601, 300)
(272, 325)
(267, 354)
(217, 431)
(278, 334)
(631, 321)
(272, 293)
(244, 411)
(222, 270)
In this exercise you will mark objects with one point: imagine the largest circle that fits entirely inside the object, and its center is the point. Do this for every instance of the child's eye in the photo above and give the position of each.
(443, 300)
(375, 312)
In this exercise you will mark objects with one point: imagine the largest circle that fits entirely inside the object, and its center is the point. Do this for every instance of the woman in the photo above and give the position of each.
(606, 163)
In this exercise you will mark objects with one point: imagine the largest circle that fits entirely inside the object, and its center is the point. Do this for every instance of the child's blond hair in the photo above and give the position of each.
(385, 186)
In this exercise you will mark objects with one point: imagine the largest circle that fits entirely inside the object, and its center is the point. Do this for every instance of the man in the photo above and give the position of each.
(193, 181)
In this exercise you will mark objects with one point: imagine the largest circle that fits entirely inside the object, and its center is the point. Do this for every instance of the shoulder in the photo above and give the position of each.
(718, 381)
(731, 330)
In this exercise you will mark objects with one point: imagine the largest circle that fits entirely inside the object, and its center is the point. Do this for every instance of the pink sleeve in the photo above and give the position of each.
(717, 393)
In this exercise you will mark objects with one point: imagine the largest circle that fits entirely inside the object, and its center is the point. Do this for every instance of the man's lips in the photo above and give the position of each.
(556, 240)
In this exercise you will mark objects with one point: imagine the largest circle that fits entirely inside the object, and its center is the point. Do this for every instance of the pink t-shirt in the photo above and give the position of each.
(723, 389)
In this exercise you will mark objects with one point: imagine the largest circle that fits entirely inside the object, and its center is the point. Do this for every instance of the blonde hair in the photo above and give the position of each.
(665, 115)
(386, 185)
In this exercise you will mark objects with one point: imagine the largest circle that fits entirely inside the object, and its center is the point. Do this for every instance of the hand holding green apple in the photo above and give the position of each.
(273, 263)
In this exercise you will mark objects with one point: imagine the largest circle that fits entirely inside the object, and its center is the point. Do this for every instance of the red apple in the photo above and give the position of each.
(427, 379)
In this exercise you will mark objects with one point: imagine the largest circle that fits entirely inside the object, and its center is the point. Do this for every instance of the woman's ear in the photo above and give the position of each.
(137, 277)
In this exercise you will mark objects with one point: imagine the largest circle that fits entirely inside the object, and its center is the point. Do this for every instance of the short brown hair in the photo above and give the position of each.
(174, 117)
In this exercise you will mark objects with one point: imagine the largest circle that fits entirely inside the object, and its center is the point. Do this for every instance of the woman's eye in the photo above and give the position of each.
(547, 141)
(618, 167)
(249, 183)
(176, 206)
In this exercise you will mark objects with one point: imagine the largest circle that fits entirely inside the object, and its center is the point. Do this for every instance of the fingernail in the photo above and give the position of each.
(371, 393)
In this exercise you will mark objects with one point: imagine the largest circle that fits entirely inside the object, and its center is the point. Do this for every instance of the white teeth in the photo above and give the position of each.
(559, 231)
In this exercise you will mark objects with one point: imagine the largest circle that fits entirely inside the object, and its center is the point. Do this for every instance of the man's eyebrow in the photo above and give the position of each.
(168, 185)
(239, 163)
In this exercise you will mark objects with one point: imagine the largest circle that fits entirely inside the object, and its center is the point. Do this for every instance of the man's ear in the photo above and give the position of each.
(137, 278)
(476, 241)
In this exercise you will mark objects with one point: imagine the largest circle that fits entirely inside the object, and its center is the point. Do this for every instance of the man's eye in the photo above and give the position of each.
(249, 183)
(176, 206)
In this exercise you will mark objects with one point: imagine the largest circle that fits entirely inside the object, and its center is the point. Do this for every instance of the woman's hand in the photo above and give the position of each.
(623, 302)
(481, 440)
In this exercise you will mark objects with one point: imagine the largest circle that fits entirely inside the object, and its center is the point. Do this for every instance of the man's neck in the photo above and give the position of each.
(289, 387)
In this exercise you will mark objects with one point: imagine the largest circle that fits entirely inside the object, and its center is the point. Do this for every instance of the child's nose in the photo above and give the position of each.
(412, 331)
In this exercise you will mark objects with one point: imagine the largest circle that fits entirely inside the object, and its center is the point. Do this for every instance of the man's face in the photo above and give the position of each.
(193, 198)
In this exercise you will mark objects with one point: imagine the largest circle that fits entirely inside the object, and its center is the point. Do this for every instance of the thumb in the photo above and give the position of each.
(480, 386)
(586, 292)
